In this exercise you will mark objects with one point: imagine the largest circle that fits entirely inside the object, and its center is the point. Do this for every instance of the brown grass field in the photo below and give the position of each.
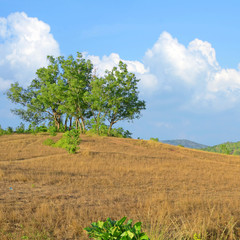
(175, 192)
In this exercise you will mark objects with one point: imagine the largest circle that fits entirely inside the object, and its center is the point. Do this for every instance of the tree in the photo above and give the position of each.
(52, 88)
(77, 74)
(97, 100)
(30, 109)
(123, 100)
(42, 99)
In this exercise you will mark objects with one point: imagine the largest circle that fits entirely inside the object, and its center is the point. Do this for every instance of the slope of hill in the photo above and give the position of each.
(46, 193)
(185, 143)
(227, 148)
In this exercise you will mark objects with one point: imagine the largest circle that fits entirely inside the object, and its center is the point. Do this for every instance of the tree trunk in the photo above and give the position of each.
(79, 124)
(70, 124)
(65, 125)
(76, 122)
(110, 128)
(58, 125)
(98, 122)
(56, 120)
(83, 125)
(59, 121)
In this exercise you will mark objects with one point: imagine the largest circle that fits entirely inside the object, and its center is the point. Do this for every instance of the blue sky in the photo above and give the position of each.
(186, 54)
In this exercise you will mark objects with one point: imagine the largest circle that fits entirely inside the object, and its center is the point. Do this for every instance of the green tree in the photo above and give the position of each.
(122, 91)
(97, 100)
(30, 109)
(77, 74)
(42, 99)
(52, 88)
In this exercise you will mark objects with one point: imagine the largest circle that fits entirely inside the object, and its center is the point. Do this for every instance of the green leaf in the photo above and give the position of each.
(129, 223)
(130, 234)
(137, 227)
(100, 224)
(144, 237)
(121, 221)
(88, 229)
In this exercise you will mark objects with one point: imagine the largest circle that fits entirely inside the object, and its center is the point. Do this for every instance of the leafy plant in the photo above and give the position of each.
(9, 130)
(102, 130)
(49, 142)
(154, 139)
(196, 237)
(119, 132)
(20, 128)
(116, 230)
(180, 145)
(41, 128)
(69, 141)
(52, 130)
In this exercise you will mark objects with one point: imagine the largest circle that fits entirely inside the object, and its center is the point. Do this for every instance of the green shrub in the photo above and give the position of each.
(116, 230)
(69, 141)
(32, 128)
(52, 130)
(102, 129)
(154, 139)
(49, 142)
(42, 128)
(236, 152)
(9, 130)
(196, 237)
(180, 145)
(20, 128)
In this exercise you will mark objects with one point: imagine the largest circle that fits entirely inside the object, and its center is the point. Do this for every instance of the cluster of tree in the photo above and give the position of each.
(226, 148)
(68, 91)
(52, 130)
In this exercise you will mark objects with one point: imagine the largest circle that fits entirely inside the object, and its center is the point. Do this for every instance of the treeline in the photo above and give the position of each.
(232, 148)
(52, 130)
(67, 92)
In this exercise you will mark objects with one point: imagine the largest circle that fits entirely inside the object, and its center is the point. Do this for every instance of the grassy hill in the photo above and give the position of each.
(46, 193)
(184, 143)
(227, 148)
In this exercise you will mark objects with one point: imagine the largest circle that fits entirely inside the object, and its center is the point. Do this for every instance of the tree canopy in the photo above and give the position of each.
(67, 90)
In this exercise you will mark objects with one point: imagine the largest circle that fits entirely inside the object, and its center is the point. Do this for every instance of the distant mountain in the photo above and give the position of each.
(227, 148)
(185, 143)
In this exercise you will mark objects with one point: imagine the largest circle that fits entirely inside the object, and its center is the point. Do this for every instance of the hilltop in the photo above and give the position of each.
(232, 148)
(185, 143)
(46, 193)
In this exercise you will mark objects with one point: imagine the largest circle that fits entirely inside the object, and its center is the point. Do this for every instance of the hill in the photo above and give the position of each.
(46, 193)
(184, 143)
(226, 148)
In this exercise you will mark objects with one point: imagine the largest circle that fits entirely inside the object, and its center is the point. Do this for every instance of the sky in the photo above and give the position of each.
(185, 53)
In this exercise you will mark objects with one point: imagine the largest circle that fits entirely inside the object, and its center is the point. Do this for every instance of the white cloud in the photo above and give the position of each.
(172, 62)
(225, 80)
(148, 80)
(25, 43)
(192, 72)
(189, 75)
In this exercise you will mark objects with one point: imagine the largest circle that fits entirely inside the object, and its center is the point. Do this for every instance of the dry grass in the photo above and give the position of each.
(174, 191)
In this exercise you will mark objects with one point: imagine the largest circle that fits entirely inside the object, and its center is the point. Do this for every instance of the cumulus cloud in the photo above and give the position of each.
(189, 75)
(148, 80)
(192, 72)
(25, 43)
(172, 62)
